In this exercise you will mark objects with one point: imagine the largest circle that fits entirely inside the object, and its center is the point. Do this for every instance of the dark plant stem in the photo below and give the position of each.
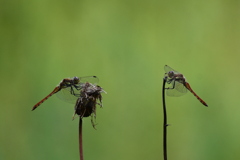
(80, 139)
(164, 121)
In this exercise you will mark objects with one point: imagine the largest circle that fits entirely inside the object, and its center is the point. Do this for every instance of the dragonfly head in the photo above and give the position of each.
(170, 74)
(75, 80)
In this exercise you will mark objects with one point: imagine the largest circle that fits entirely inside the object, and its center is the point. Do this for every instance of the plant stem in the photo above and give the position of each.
(164, 121)
(80, 139)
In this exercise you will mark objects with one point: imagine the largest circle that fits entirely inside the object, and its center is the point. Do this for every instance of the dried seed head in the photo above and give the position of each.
(90, 96)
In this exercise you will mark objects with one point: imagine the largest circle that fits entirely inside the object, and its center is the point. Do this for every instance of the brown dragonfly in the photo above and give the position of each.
(69, 89)
(179, 85)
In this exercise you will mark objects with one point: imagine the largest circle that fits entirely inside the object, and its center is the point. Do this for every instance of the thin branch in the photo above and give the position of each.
(80, 139)
(164, 121)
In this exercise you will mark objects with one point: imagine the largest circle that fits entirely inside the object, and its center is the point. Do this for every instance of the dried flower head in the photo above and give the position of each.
(90, 96)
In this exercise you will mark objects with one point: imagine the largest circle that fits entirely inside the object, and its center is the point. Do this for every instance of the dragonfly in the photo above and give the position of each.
(69, 89)
(178, 84)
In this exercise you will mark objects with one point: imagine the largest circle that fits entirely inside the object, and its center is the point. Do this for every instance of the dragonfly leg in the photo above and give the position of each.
(72, 91)
(173, 86)
(77, 88)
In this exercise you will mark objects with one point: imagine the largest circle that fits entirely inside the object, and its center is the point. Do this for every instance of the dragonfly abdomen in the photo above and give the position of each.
(190, 89)
(44, 99)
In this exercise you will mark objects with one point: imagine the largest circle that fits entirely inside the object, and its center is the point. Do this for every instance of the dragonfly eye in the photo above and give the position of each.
(170, 74)
(75, 80)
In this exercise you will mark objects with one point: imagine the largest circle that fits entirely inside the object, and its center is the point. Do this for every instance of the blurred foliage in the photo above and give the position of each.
(126, 44)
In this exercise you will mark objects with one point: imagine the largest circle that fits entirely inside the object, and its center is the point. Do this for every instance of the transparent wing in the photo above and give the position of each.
(176, 90)
(67, 96)
(90, 79)
(168, 69)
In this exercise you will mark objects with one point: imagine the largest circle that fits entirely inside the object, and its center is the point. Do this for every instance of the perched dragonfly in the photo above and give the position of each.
(69, 89)
(179, 85)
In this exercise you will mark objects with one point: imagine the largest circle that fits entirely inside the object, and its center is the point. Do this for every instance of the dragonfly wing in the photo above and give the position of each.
(176, 90)
(69, 94)
(90, 79)
(168, 69)
(180, 87)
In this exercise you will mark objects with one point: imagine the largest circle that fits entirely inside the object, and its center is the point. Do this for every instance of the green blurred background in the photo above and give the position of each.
(126, 44)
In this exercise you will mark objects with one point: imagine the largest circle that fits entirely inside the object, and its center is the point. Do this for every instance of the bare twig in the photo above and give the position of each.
(164, 120)
(80, 139)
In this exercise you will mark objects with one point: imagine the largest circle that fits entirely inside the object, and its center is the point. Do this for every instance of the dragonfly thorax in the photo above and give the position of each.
(179, 77)
(176, 76)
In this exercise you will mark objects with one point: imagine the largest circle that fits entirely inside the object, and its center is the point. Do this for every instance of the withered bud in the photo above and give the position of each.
(90, 96)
